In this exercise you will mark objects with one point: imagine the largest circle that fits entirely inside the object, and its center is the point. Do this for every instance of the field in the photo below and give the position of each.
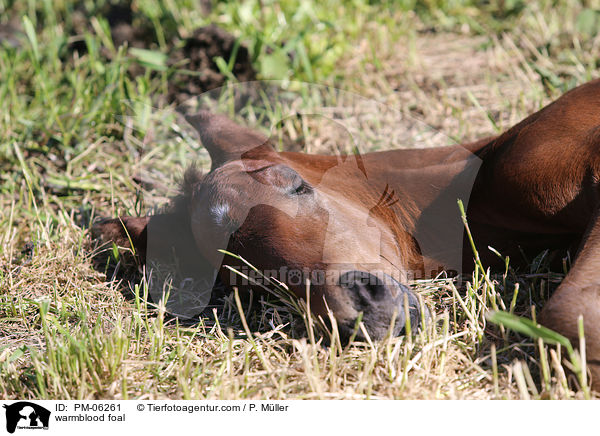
(87, 129)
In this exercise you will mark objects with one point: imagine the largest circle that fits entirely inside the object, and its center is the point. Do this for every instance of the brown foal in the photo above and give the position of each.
(371, 223)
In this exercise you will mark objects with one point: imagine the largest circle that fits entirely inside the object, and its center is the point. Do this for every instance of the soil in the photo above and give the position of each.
(125, 27)
(197, 56)
(191, 58)
(9, 34)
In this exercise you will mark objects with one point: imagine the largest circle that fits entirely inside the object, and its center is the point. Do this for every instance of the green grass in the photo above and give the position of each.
(74, 131)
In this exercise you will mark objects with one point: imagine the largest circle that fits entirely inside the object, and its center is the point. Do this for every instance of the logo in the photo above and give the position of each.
(26, 415)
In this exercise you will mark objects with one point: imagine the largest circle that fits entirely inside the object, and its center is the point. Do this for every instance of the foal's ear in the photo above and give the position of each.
(224, 139)
(128, 232)
(152, 238)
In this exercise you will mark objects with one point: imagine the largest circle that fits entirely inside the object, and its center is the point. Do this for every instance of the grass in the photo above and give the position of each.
(75, 131)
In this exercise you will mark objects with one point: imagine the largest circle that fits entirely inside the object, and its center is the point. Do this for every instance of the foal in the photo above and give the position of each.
(368, 224)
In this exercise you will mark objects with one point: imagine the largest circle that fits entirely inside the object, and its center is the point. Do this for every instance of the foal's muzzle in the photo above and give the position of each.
(381, 299)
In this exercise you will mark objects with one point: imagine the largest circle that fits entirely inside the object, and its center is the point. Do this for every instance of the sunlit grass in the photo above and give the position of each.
(76, 130)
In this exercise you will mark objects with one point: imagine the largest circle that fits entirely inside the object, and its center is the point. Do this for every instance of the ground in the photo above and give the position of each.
(87, 129)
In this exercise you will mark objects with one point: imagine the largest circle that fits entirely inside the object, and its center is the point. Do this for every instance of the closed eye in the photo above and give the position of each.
(302, 188)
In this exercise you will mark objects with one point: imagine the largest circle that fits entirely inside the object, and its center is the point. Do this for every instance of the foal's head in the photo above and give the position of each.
(315, 223)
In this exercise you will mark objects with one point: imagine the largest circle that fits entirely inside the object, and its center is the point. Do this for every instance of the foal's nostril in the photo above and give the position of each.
(365, 285)
(382, 301)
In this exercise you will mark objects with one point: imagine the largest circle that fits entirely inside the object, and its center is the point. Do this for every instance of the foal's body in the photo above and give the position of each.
(534, 187)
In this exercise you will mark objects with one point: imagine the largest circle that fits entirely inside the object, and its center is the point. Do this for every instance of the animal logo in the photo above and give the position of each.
(26, 415)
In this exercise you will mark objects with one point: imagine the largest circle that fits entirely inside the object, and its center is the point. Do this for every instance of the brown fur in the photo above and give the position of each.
(537, 188)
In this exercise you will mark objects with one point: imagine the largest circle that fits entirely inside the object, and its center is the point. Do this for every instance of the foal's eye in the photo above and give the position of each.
(302, 188)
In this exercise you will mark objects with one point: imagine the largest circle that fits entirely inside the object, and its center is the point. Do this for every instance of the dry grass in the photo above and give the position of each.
(66, 332)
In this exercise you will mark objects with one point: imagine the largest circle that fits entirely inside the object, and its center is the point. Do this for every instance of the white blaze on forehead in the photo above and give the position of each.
(233, 192)
(219, 213)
